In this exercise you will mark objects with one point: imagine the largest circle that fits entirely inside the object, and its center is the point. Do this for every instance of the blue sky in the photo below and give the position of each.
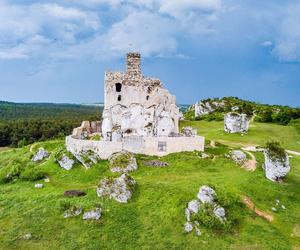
(57, 51)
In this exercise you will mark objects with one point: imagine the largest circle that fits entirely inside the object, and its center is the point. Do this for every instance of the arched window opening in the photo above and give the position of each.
(119, 98)
(118, 87)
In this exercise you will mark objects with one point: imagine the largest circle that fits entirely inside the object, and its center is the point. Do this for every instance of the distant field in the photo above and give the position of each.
(258, 134)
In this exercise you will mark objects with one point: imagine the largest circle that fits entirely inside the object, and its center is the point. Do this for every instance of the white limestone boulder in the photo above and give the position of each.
(119, 189)
(65, 162)
(73, 212)
(236, 123)
(188, 227)
(92, 215)
(276, 168)
(206, 194)
(219, 212)
(238, 156)
(40, 155)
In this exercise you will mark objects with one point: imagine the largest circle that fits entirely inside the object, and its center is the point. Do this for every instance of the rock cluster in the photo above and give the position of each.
(65, 162)
(119, 189)
(122, 162)
(87, 158)
(236, 123)
(40, 155)
(156, 163)
(86, 129)
(276, 168)
(206, 195)
(73, 212)
(238, 156)
(189, 131)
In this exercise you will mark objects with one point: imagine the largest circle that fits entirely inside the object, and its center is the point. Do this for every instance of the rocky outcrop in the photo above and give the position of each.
(156, 163)
(65, 162)
(87, 158)
(206, 195)
(119, 189)
(238, 156)
(122, 162)
(92, 215)
(275, 167)
(236, 123)
(207, 106)
(40, 155)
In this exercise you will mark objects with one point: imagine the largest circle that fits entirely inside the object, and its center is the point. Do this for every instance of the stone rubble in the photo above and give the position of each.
(236, 123)
(40, 155)
(119, 189)
(189, 131)
(73, 212)
(205, 195)
(238, 156)
(156, 163)
(39, 185)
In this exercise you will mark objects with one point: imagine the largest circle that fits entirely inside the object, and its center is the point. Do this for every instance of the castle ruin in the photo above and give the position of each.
(139, 116)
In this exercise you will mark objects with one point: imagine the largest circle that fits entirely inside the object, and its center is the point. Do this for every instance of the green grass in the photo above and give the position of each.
(154, 218)
(258, 134)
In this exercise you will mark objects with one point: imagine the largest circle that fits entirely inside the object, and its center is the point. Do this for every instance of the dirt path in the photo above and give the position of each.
(250, 165)
(213, 144)
(247, 201)
(293, 152)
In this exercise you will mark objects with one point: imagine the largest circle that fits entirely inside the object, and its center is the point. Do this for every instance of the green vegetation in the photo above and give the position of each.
(275, 151)
(282, 115)
(154, 217)
(22, 124)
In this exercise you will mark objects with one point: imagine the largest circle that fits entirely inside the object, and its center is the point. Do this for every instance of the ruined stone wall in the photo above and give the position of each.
(156, 146)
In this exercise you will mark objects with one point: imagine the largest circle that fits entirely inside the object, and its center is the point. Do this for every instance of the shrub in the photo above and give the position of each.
(275, 151)
(32, 173)
(10, 172)
(64, 204)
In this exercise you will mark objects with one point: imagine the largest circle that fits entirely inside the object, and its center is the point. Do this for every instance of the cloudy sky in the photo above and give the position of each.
(57, 51)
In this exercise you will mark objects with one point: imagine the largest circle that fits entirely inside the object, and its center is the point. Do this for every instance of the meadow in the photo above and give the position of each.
(154, 218)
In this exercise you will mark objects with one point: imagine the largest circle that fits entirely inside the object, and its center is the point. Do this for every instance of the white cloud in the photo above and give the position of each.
(287, 37)
(267, 44)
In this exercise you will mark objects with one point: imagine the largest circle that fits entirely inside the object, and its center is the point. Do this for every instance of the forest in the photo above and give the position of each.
(25, 123)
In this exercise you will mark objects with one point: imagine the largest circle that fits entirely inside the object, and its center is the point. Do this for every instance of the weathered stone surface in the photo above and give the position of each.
(189, 131)
(123, 162)
(206, 194)
(87, 129)
(92, 215)
(65, 162)
(156, 163)
(193, 206)
(219, 212)
(73, 212)
(40, 155)
(238, 156)
(188, 227)
(119, 189)
(236, 123)
(276, 169)
(207, 107)
(87, 158)
(74, 193)
(27, 236)
(39, 185)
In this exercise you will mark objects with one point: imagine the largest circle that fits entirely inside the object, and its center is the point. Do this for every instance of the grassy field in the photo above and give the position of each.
(154, 218)
(258, 134)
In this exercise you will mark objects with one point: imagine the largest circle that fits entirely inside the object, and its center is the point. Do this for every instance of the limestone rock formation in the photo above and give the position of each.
(86, 157)
(65, 162)
(119, 189)
(73, 212)
(238, 156)
(206, 203)
(206, 194)
(92, 215)
(276, 168)
(122, 162)
(40, 155)
(206, 107)
(236, 123)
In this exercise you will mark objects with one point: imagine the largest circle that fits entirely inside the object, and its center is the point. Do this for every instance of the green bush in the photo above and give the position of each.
(32, 173)
(10, 172)
(275, 151)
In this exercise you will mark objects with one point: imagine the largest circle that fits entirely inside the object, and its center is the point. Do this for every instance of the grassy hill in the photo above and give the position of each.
(154, 218)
